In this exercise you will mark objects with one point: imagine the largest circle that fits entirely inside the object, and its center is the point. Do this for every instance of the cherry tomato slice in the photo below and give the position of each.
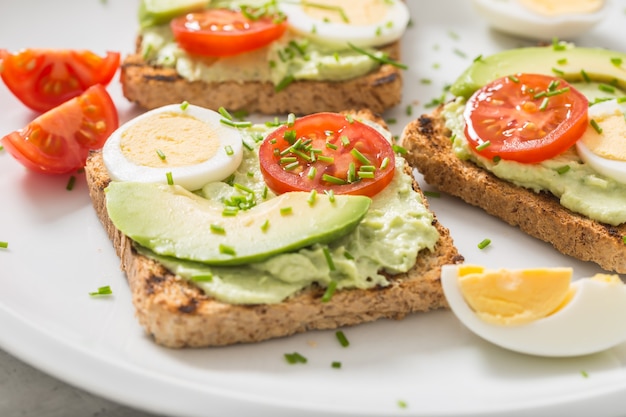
(324, 152)
(59, 140)
(223, 32)
(44, 78)
(526, 118)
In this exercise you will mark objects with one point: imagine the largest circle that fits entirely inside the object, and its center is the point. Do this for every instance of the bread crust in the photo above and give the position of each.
(178, 314)
(151, 87)
(540, 215)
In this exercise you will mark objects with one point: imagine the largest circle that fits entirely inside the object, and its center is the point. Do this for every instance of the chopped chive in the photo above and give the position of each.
(247, 145)
(426, 81)
(227, 250)
(616, 61)
(287, 160)
(290, 136)
(623, 240)
(70, 183)
(184, 105)
(553, 85)
(514, 78)
(284, 83)
(402, 404)
(229, 150)
(105, 290)
(341, 337)
(294, 358)
(561, 61)
(285, 211)
(312, 197)
(360, 157)
(4, 245)
(478, 58)
(539, 95)
(348, 255)
(557, 92)
(606, 88)
(497, 159)
(544, 104)
(265, 225)
(331, 146)
(335, 364)
(264, 192)
(333, 180)
(327, 159)
(398, 149)
(558, 71)
(409, 110)
(483, 145)
(562, 170)
(311, 174)
(584, 374)
(596, 126)
(585, 76)
(291, 166)
(291, 119)
(365, 174)
(1, 148)
(216, 228)
(225, 113)
(368, 168)
(434, 194)
(330, 291)
(170, 179)
(460, 53)
(161, 154)
(329, 259)
(385, 163)
(484, 243)
(230, 211)
(331, 195)
(351, 175)
(202, 278)
(349, 118)
(557, 45)
(345, 141)
(381, 59)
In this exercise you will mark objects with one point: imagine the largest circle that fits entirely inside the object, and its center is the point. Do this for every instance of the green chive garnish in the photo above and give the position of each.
(544, 104)
(285, 211)
(4, 245)
(562, 170)
(331, 146)
(336, 364)
(345, 141)
(291, 119)
(616, 61)
(596, 126)
(229, 150)
(434, 194)
(483, 146)
(184, 105)
(402, 404)
(330, 291)
(341, 337)
(385, 163)
(606, 88)
(265, 225)
(329, 259)
(557, 71)
(161, 154)
(585, 76)
(170, 179)
(333, 180)
(360, 157)
(312, 197)
(311, 174)
(484, 243)
(561, 61)
(105, 290)
(398, 149)
(225, 113)
(331, 195)
(327, 159)
(284, 83)
(365, 174)
(294, 358)
(70, 183)
(227, 250)
(216, 228)
(381, 59)
(514, 78)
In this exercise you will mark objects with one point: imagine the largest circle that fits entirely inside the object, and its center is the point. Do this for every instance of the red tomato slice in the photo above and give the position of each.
(327, 151)
(44, 78)
(526, 118)
(223, 32)
(59, 140)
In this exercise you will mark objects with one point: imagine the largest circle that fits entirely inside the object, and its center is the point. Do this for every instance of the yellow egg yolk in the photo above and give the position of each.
(354, 12)
(169, 140)
(512, 297)
(611, 142)
(561, 7)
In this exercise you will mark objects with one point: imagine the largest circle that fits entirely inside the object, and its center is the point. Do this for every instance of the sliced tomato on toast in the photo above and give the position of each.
(526, 118)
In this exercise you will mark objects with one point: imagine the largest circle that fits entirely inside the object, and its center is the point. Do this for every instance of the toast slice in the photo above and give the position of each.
(178, 314)
(151, 87)
(540, 215)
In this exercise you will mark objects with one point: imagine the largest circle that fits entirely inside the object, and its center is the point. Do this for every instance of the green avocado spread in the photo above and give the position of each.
(290, 58)
(385, 242)
(579, 187)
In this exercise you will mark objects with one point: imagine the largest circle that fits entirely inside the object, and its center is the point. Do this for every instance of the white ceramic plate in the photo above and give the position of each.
(58, 253)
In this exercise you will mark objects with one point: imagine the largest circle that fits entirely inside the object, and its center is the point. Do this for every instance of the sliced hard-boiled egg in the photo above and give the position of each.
(603, 145)
(542, 19)
(183, 144)
(364, 23)
(556, 320)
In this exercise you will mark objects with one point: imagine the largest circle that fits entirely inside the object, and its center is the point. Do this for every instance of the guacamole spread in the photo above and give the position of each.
(578, 187)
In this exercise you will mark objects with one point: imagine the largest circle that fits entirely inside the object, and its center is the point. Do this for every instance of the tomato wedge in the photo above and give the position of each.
(526, 118)
(225, 32)
(59, 140)
(327, 152)
(44, 78)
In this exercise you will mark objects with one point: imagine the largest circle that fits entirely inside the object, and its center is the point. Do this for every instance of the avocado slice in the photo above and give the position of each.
(600, 65)
(158, 12)
(172, 221)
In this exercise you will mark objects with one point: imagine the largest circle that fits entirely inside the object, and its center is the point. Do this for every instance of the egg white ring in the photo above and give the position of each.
(191, 177)
(608, 167)
(512, 18)
(373, 35)
(545, 337)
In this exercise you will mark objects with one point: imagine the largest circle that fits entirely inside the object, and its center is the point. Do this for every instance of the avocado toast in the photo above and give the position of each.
(570, 208)
(178, 313)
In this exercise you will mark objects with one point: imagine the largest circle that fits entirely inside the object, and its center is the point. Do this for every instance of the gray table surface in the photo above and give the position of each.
(28, 392)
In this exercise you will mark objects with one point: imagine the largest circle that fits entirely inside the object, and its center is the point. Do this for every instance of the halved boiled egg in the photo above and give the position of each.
(603, 145)
(185, 144)
(538, 311)
(542, 19)
(364, 23)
